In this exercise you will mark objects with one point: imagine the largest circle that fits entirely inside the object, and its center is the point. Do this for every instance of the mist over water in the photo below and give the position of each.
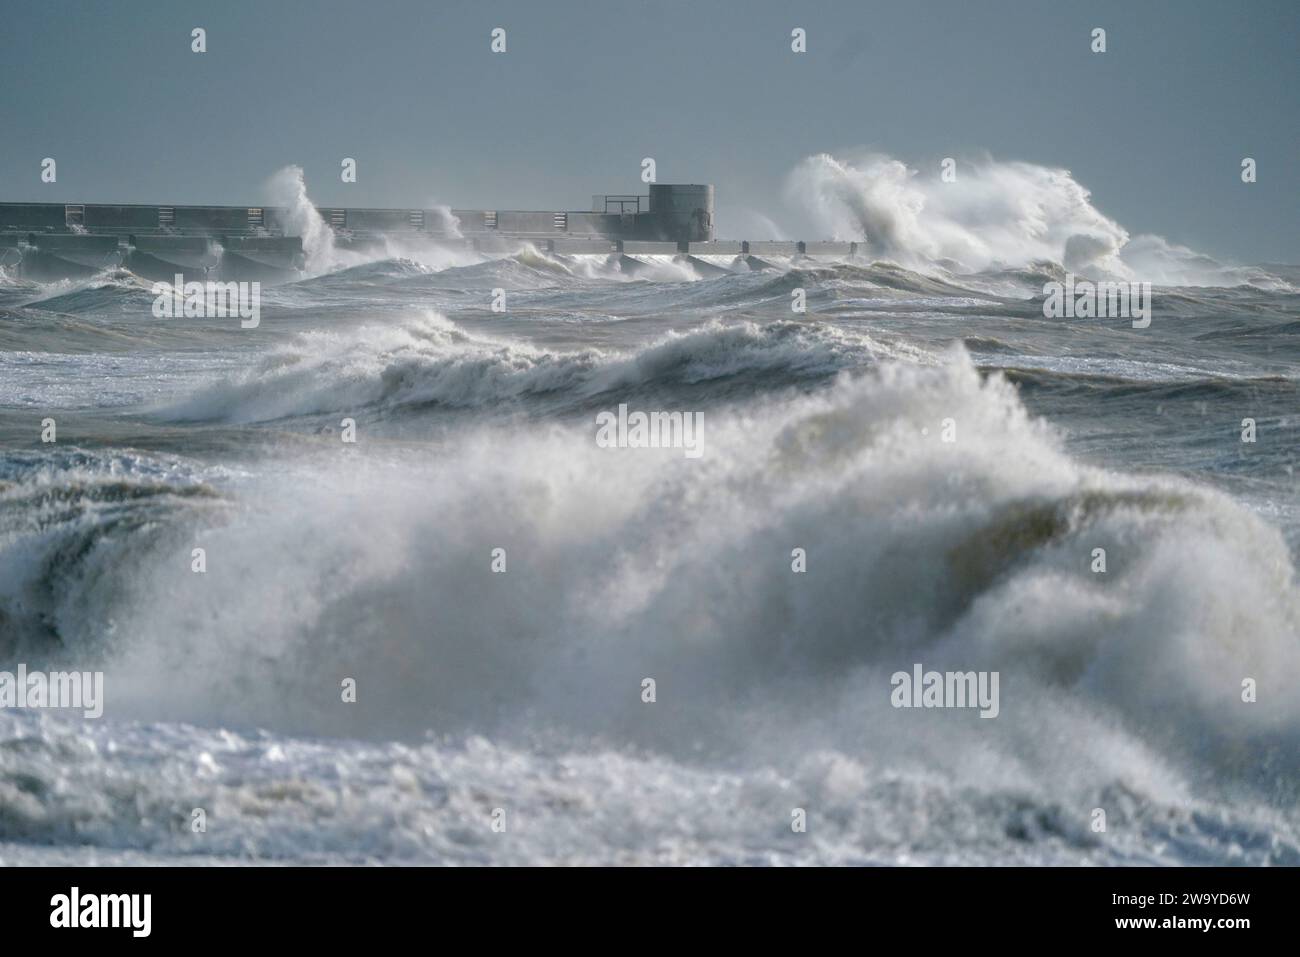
(822, 431)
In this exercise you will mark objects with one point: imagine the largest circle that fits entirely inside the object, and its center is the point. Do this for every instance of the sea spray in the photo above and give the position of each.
(1011, 213)
(288, 188)
(988, 214)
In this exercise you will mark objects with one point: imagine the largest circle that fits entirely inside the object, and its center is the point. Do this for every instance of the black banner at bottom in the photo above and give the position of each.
(332, 906)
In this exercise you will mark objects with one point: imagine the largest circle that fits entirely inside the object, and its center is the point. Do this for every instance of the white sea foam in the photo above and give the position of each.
(429, 360)
(995, 214)
(773, 687)
(975, 552)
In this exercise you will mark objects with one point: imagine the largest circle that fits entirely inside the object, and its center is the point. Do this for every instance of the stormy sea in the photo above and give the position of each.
(397, 490)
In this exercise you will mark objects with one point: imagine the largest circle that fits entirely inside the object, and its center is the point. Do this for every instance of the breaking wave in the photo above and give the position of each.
(430, 361)
(1119, 690)
(971, 554)
(995, 215)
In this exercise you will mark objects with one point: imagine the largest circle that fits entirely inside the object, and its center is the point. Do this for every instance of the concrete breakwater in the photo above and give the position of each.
(51, 241)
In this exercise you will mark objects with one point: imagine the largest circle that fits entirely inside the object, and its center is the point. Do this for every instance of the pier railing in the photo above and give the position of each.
(619, 205)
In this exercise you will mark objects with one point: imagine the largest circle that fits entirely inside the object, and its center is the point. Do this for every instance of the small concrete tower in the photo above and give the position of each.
(682, 213)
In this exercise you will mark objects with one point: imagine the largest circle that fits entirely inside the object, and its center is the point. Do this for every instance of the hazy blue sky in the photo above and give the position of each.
(1156, 127)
